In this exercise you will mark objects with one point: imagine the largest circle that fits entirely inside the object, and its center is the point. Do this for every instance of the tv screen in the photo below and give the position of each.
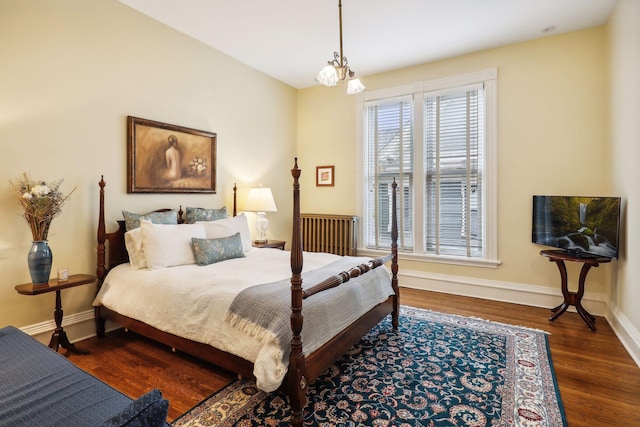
(581, 226)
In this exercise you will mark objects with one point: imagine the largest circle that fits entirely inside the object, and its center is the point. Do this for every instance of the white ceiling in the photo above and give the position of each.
(291, 40)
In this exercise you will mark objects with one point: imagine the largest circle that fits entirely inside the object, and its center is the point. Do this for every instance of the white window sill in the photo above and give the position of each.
(438, 259)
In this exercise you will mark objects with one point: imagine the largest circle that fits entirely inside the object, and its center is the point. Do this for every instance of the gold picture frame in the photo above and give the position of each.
(325, 176)
(165, 158)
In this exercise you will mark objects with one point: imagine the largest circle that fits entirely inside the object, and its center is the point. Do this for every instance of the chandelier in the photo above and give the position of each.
(337, 69)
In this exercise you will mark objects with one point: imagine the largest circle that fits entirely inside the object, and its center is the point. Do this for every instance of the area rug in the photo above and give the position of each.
(436, 370)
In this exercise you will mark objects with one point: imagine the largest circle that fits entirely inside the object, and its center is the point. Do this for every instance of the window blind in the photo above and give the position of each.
(453, 164)
(388, 155)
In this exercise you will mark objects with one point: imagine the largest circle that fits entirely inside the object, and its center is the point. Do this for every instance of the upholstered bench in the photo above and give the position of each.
(39, 387)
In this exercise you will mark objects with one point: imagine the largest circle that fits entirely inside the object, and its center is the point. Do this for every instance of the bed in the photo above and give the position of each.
(212, 319)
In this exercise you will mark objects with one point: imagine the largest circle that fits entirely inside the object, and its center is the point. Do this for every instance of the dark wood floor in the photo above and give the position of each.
(598, 380)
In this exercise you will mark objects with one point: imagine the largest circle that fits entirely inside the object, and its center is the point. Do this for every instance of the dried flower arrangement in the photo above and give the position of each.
(41, 201)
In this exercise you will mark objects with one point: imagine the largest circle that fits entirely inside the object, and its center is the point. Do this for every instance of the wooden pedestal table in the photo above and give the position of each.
(573, 298)
(59, 337)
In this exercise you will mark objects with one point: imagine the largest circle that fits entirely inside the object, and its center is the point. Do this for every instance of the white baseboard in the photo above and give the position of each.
(626, 332)
(517, 293)
(78, 326)
(532, 295)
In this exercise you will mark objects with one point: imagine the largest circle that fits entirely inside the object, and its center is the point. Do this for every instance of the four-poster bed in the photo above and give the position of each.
(305, 362)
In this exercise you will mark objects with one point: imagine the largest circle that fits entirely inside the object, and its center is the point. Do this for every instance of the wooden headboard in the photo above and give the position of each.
(113, 243)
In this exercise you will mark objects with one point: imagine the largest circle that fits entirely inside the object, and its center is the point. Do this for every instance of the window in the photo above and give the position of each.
(389, 154)
(437, 140)
(453, 145)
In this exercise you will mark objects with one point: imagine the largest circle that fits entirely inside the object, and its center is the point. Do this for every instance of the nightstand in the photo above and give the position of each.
(59, 337)
(277, 244)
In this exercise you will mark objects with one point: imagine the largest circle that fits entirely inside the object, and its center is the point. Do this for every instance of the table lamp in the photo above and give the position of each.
(260, 200)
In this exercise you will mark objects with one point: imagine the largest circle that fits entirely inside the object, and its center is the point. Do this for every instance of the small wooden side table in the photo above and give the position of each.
(59, 337)
(573, 298)
(278, 244)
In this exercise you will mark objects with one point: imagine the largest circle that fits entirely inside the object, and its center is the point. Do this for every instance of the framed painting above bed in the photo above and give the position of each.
(165, 158)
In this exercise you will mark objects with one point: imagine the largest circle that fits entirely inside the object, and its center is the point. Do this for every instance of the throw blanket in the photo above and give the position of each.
(264, 311)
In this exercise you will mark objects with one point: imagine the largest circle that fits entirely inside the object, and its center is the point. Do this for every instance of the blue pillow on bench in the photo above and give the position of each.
(149, 410)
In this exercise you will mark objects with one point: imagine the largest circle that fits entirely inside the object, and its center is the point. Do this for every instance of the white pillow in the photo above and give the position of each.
(228, 227)
(168, 245)
(133, 243)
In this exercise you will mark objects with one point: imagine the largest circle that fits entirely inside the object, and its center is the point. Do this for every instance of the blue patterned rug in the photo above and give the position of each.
(436, 370)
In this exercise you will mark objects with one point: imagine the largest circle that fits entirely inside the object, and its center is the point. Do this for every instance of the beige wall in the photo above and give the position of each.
(623, 44)
(70, 73)
(551, 140)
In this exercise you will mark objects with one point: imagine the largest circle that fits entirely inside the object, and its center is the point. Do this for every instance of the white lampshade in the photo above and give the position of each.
(355, 86)
(328, 76)
(260, 199)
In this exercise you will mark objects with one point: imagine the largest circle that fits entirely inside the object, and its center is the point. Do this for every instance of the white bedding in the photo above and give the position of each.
(191, 301)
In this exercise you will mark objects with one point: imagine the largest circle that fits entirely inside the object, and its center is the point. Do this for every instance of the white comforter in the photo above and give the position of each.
(191, 301)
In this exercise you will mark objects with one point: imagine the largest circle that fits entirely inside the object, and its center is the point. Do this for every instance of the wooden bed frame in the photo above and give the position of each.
(303, 369)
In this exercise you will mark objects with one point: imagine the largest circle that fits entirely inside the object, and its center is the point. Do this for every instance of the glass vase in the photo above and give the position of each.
(39, 261)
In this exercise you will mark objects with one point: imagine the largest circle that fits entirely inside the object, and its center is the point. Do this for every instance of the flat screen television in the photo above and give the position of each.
(580, 226)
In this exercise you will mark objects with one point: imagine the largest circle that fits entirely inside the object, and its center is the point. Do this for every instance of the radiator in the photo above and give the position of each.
(335, 234)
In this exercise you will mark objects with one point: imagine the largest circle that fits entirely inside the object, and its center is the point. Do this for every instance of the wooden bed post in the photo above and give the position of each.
(235, 191)
(297, 381)
(100, 271)
(101, 232)
(394, 261)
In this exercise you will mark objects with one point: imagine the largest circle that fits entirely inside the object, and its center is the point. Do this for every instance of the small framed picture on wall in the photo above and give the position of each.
(324, 176)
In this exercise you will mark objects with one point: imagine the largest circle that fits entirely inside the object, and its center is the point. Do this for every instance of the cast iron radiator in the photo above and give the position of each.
(335, 234)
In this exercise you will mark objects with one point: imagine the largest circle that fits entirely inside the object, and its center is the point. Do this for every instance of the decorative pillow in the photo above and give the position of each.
(132, 220)
(200, 214)
(133, 243)
(229, 227)
(209, 251)
(167, 245)
(149, 410)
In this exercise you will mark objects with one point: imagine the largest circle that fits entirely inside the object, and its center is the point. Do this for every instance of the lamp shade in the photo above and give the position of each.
(260, 199)
(328, 76)
(355, 86)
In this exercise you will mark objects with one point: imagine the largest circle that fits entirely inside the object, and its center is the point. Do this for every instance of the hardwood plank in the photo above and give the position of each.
(134, 365)
(599, 382)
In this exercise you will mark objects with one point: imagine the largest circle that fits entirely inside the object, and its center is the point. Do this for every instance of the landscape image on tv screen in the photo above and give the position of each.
(578, 225)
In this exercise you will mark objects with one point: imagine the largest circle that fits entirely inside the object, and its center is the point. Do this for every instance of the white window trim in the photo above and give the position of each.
(489, 77)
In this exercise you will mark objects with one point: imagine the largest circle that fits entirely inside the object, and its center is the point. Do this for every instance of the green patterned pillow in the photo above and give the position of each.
(132, 220)
(200, 214)
(210, 251)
